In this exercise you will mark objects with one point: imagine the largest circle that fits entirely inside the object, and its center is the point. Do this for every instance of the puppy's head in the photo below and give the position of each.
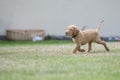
(72, 31)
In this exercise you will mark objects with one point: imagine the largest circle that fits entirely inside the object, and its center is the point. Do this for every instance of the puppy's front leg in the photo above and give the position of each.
(82, 50)
(77, 48)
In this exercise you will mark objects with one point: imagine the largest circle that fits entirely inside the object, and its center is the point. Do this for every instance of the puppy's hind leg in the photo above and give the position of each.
(99, 41)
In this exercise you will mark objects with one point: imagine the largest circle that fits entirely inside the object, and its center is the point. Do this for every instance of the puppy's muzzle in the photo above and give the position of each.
(66, 33)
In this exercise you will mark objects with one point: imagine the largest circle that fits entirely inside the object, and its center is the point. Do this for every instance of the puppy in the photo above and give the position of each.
(84, 37)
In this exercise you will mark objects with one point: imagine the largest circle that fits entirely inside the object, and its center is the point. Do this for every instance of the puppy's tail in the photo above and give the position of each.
(99, 25)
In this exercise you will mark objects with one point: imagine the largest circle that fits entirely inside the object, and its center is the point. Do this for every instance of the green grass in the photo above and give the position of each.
(52, 60)
(3, 43)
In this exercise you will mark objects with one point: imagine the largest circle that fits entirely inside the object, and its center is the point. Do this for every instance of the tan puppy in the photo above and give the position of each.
(86, 36)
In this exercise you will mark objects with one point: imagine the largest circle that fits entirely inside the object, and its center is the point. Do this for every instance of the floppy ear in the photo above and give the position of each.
(75, 31)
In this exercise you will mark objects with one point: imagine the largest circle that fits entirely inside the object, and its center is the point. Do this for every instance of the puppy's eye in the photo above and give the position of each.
(71, 30)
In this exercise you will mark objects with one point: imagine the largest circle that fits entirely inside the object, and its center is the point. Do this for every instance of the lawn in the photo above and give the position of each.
(52, 60)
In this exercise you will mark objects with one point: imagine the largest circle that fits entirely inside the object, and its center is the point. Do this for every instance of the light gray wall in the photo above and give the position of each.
(54, 15)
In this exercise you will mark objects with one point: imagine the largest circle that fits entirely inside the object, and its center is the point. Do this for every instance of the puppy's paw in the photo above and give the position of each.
(74, 52)
(82, 50)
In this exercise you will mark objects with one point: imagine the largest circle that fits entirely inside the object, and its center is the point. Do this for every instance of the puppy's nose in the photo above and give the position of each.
(66, 33)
